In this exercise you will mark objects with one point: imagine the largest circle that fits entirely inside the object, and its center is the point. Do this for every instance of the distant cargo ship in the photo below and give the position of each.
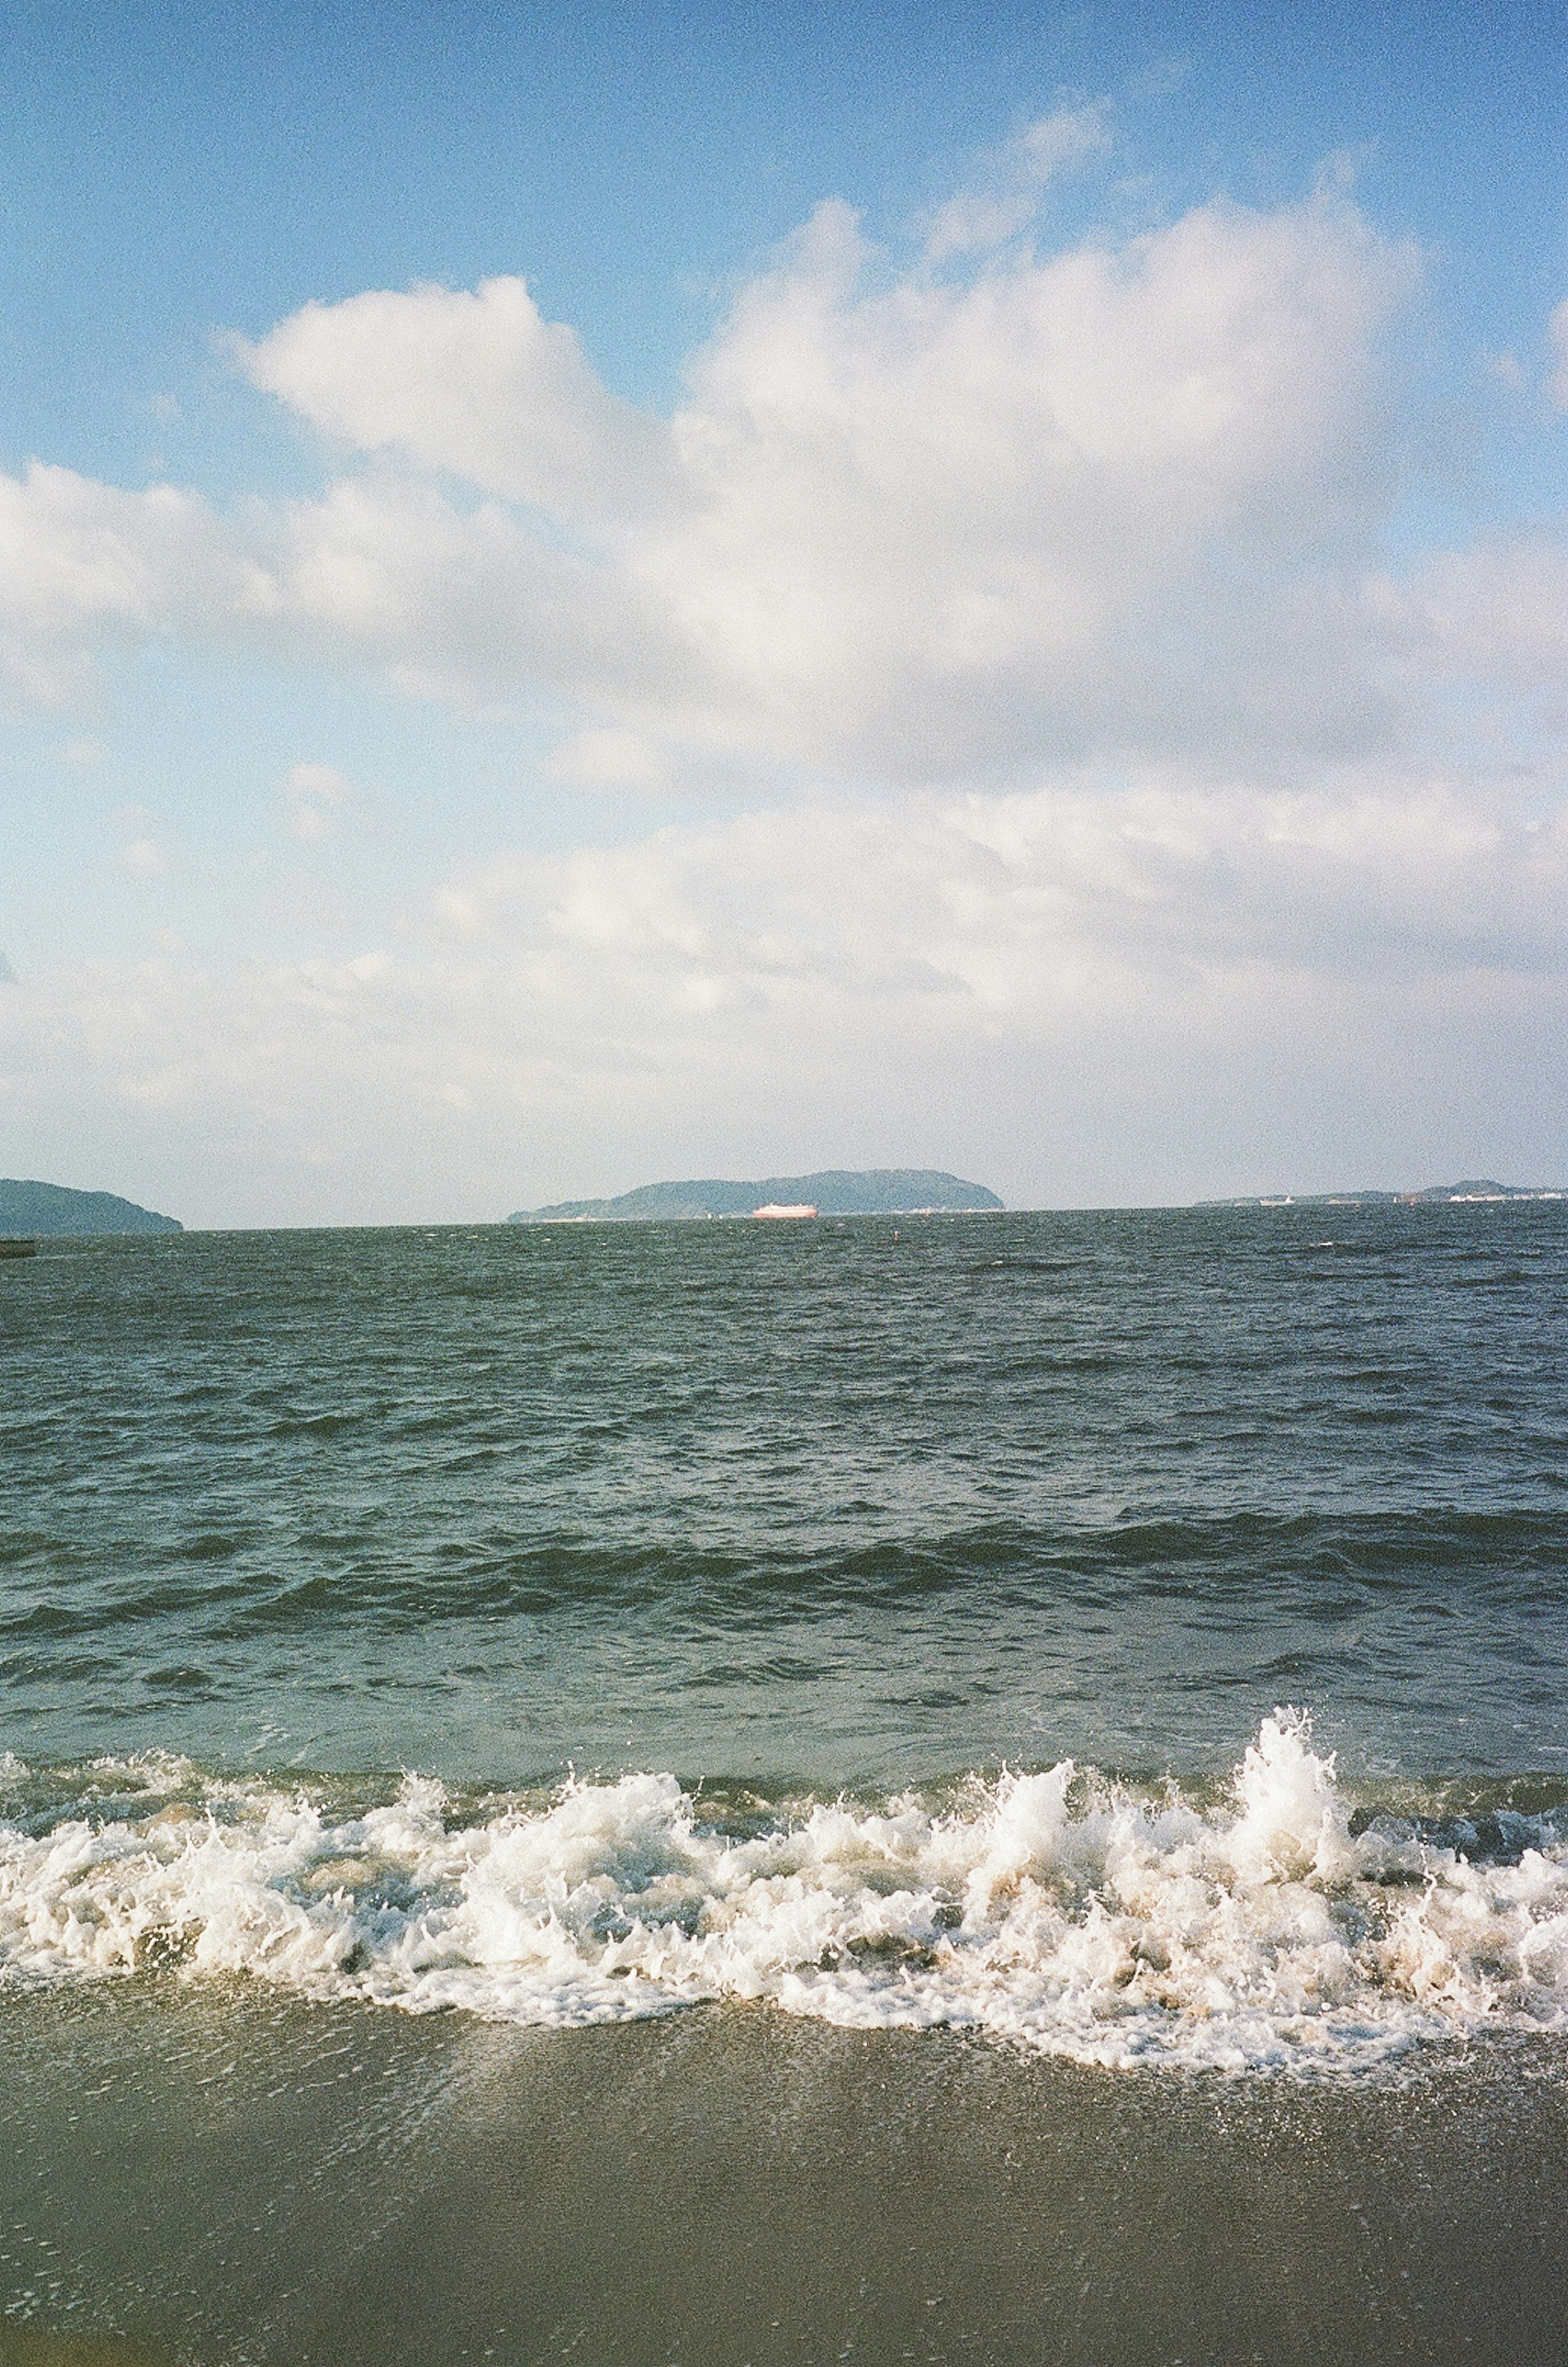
(779, 1208)
(13, 1248)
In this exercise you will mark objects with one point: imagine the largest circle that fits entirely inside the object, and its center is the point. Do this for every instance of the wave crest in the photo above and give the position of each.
(1053, 1909)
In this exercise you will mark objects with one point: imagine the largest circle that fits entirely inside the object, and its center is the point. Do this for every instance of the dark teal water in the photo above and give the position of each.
(835, 1502)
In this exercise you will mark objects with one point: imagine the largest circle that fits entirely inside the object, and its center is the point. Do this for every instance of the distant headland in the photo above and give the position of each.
(1430, 1195)
(833, 1192)
(46, 1211)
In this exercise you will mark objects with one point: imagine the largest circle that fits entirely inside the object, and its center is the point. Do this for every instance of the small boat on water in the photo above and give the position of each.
(13, 1248)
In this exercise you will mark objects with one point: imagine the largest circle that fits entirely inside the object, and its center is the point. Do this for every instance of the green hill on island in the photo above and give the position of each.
(50, 1210)
(833, 1192)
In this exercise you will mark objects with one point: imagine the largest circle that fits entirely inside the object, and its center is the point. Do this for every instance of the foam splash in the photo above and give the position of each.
(1050, 1910)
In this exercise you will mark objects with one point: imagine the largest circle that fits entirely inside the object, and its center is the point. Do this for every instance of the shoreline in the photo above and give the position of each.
(237, 2179)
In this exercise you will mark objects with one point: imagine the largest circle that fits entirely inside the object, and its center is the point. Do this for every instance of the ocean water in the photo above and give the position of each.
(1133, 1642)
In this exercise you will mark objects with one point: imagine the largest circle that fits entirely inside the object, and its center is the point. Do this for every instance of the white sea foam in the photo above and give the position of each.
(1050, 1910)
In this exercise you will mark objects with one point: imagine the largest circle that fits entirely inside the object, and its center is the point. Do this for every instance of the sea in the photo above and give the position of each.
(986, 1787)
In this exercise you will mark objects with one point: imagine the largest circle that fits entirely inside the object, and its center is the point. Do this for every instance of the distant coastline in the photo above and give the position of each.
(1479, 1189)
(830, 1192)
(53, 1212)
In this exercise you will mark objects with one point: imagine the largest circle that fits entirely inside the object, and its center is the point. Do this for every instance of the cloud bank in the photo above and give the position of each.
(911, 526)
(1051, 982)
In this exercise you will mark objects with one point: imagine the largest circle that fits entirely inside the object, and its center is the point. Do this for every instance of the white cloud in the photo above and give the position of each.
(313, 797)
(937, 527)
(478, 385)
(1058, 142)
(467, 607)
(898, 527)
(82, 562)
(608, 759)
(974, 220)
(1003, 901)
(143, 858)
(1498, 614)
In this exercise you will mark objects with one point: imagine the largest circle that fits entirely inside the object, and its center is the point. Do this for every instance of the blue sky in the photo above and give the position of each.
(172, 171)
(394, 831)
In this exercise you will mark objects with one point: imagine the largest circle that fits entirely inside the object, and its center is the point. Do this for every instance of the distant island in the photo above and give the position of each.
(1430, 1195)
(834, 1192)
(51, 1210)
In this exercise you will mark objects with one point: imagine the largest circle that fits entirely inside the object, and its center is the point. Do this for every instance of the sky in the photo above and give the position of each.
(599, 595)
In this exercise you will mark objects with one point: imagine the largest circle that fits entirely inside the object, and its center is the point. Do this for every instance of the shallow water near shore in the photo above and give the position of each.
(225, 2176)
(991, 1788)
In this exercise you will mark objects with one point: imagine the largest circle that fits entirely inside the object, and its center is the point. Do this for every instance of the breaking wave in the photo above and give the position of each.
(1264, 1927)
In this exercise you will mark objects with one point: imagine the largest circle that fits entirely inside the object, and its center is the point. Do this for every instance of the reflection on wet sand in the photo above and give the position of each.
(237, 2180)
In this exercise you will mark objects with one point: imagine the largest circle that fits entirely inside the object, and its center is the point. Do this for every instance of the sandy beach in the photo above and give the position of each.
(228, 2179)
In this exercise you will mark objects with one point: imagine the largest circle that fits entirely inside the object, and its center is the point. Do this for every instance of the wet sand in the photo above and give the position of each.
(229, 2179)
